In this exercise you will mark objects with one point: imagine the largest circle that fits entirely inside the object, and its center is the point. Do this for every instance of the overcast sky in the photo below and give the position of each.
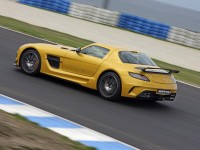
(191, 4)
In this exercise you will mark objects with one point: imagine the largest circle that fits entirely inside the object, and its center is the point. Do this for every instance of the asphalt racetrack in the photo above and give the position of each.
(149, 126)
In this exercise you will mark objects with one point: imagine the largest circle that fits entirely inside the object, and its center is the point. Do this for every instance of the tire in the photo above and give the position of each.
(30, 62)
(109, 86)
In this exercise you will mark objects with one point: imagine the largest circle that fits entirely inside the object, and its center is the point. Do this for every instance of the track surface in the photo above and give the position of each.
(151, 126)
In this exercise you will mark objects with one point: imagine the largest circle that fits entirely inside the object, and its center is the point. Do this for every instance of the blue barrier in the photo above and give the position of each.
(143, 26)
(60, 6)
(126, 21)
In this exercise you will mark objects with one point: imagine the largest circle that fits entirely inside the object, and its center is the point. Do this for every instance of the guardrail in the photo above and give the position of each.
(122, 20)
(185, 37)
(60, 6)
(143, 26)
(94, 14)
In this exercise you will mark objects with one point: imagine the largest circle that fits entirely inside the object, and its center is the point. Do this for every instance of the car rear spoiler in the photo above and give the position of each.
(157, 70)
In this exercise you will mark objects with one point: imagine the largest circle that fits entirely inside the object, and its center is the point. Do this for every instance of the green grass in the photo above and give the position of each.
(74, 144)
(19, 117)
(44, 33)
(186, 75)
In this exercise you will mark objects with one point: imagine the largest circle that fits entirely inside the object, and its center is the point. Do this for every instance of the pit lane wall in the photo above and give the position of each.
(126, 21)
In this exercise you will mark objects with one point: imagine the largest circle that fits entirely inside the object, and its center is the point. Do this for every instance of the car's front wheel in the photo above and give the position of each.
(30, 62)
(109, 86)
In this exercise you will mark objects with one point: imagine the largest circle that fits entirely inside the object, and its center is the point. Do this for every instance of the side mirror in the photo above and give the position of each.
(78, 50)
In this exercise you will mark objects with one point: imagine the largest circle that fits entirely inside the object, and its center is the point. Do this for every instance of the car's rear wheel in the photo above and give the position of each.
(109, 86)
(30, 62)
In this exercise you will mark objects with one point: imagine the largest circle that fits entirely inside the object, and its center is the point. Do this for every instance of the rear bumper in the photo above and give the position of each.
(134, 88)
(149, 95)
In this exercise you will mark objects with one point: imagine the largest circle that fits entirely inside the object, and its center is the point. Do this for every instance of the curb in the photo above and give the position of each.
(62, 126)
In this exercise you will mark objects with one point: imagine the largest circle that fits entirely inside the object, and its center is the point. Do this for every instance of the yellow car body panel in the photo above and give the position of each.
(86, 70)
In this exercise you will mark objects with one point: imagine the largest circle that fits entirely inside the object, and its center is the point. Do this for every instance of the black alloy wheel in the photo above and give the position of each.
(30, 62)
(109, 86)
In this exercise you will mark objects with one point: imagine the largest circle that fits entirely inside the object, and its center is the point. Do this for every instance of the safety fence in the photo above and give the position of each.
(60, 6)
(94, 14)
(122, 20)
(143, 26)
(184, 37)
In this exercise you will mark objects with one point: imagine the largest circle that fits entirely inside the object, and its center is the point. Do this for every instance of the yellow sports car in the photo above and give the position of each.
(114, 72)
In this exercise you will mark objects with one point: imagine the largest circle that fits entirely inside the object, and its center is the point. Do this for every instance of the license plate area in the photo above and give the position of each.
(163, 92)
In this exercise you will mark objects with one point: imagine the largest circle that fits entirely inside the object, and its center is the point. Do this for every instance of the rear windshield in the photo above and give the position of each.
(135, 58)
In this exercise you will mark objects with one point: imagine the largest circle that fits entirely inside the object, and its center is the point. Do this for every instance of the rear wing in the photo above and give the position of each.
(157, 70)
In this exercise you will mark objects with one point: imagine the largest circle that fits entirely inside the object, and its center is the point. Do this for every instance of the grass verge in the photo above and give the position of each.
(18, 133)
(186, 75)
(44, 33)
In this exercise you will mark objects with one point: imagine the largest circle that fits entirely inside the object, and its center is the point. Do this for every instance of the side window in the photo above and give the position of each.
(95, 51)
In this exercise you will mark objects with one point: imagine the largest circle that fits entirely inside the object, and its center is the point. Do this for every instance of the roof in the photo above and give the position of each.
(114, 48)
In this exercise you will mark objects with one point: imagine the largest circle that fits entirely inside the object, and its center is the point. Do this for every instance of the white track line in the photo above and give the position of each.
(198, 87)
(27, 35)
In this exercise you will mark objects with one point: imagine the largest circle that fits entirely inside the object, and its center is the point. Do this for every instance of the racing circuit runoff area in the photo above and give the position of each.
(153, 126)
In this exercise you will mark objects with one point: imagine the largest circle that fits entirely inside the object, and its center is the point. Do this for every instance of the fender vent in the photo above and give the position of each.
(54, 61)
